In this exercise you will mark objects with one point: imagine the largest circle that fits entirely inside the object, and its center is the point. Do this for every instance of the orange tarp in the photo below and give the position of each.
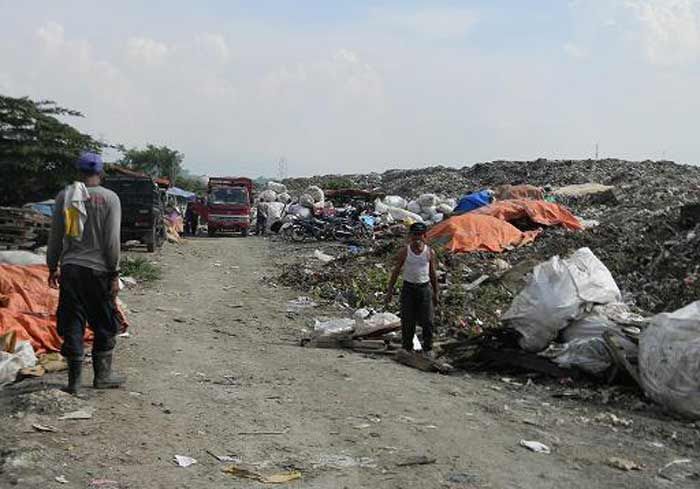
(538, 211)
(28, 306)
(474, 232)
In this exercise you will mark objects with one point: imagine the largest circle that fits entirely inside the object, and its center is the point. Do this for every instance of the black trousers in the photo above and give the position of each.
(416, 307)
(84, 296)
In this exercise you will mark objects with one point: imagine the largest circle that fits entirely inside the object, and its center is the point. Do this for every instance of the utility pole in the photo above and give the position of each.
(282, 168)
(596, 151)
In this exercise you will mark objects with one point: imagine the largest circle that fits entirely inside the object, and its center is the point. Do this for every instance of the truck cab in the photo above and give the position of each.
(228, 204)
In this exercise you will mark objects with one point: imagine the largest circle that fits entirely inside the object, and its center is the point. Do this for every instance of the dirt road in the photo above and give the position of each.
(214, 365)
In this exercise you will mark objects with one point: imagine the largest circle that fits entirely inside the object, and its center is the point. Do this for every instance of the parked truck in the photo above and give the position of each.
(142, 209)
(227, 205)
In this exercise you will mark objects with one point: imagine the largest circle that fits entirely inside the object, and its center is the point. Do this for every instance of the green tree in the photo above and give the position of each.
(191, 183)
(156, 161)
(37, 150)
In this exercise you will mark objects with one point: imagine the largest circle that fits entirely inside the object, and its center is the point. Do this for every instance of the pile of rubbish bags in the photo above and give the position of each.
(428, 208)
(576, 303)
(275, 198)
(14, 356)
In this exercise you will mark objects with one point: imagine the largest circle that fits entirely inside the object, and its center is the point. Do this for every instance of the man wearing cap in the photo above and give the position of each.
(419, 292)
(85, 241)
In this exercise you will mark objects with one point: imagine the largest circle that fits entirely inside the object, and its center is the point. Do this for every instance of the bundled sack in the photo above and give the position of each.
(558, 292)
(395, 201)
(274, 211)
(307, 201)
(284, 198)
(277, 188)
(669, 360)
(268, 196)
(428, 200)
(396, 213)
(414, 207)
(506, 192)
(11, 363)
(316, 193)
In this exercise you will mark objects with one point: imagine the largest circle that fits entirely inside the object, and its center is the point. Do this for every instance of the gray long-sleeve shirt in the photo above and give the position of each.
(100, 246)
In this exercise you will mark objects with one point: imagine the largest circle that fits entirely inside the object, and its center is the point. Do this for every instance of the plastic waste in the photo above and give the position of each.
(316, 193)
(414, 207)
(11, 363)
(284, 197)
(669, 360)
(319, 255)
(276, 187)
(268, 196)
(333, 326)
(535, 446)
(428, 200)
(395, 201)
(19, 257)
(306, 200)
(557, 293)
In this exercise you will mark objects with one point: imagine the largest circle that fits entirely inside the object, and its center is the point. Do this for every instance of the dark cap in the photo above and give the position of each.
(418, 228)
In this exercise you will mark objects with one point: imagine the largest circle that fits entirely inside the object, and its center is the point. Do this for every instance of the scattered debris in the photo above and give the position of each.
(623, 464)
(535, 446)
(85, 413)
(61, 479)
(248, 473)
(416, 460)
(184, 461)
(44, 428)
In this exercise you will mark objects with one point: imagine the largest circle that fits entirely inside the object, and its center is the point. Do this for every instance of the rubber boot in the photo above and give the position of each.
(102, 365)
(75, 376)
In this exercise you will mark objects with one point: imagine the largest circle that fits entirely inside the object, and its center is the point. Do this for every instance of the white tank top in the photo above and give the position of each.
(416, 269)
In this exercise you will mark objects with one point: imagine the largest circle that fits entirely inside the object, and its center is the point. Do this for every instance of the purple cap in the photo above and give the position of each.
(90, 163)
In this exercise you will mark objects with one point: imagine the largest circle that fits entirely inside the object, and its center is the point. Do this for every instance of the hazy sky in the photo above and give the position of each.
(366, 85)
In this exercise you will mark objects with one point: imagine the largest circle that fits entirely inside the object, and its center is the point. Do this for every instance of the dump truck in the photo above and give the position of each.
(227, 205)
(142, 209)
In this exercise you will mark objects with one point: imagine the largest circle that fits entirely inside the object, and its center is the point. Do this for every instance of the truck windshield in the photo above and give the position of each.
(228, 195)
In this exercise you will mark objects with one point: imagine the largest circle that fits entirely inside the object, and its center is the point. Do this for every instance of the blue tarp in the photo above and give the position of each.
(178, 192)
(473, 201)
(45, 208)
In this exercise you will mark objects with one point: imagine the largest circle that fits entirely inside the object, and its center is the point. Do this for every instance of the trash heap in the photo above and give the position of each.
(427, 208)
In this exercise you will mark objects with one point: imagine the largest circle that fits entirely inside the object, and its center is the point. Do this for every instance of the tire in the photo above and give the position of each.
(298, 234)
(211, 232)
(151, 244)
(244, 233)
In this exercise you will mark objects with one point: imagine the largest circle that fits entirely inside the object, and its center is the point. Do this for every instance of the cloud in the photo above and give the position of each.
(438, 22)
(575, 51)
(143, 50)
(669, 29)
(214, 45)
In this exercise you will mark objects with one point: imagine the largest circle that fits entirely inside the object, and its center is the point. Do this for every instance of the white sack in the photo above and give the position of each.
(268, 196)
(558, 292)
(284, 197)
(274, 211)
(278, 188)
(11, 363)
(445, 209)
(669, 360)
(19, 257)
(414, 207)
(428, 200)
(316, 193)
(395, 201)
(306, 200)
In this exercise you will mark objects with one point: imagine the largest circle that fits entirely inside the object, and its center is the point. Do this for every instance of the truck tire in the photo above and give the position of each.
(151, 244)
(211, 232)
(244, 233)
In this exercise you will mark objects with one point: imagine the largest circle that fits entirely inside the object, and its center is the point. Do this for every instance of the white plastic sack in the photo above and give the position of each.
(316, 193)
(450, 202)
(445, 209)
(306, 200)
(430, 211)
(274, 211)
(382, 319)
(24, 258)
(414, 207)
(11, 363)
(299, 210)
(557, 293)
(669, 360)
(395, 201)
(333, 326)
(439, 217)
(380, 207)
(268, 196)
(284, 197)
(428, 200)
(278, 188)
(404, 215)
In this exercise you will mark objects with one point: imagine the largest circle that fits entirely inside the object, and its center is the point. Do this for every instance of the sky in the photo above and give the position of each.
(345, 87)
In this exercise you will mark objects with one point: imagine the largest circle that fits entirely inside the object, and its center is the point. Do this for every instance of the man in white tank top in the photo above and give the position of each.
(419, 292)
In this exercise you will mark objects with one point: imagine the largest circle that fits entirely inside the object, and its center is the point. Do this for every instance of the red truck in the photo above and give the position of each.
(227, 205)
